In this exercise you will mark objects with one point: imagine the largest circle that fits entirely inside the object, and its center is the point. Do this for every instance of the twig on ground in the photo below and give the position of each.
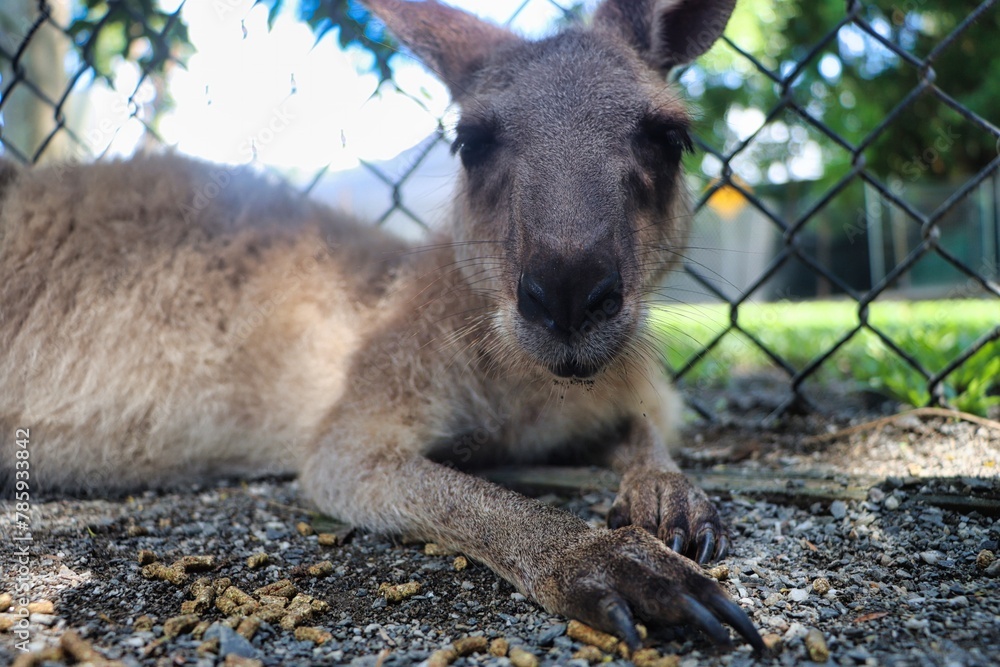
(884, 421)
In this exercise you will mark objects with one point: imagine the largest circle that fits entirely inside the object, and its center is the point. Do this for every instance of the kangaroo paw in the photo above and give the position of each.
(669, 506)
(610, 578)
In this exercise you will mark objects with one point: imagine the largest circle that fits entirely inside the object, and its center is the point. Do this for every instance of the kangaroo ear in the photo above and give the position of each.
(666, 33)
(453, 43)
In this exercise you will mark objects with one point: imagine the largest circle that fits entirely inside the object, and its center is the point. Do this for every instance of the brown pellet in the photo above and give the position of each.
(317, 636)
(146, 556)
(321, 569)
(399, 592)
(178, 625)
(821, 585)
(590, 654)
(434, 549)
(144, 623)
(816, 646)
(283, 588)
(41, 607)
(248, 627)
(257, 561)
(442, 658)
(196, 563)
(470, 645)
(521, 658)
(588, 635)
(499, 647)
(81, 651)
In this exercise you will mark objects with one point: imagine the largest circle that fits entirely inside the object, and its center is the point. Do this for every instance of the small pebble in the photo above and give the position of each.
(838, 508)
(891, 503)
(798, 595)
(930, 557)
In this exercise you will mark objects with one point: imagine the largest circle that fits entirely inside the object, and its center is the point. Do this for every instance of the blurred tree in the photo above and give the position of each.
(853, 82)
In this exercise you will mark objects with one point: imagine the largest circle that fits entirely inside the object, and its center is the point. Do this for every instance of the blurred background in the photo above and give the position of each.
(847, 181)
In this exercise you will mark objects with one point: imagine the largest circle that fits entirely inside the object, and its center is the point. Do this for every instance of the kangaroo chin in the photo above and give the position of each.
(150, 333)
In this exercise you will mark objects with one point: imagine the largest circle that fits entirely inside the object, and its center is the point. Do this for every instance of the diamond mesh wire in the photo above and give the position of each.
(38, 27)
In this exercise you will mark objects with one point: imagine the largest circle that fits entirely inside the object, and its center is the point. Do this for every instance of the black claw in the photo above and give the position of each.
(732, 614)
(722, 549)
(677, 541)
(617, 517)
(706, 548)
(620, 618)
(699, 615)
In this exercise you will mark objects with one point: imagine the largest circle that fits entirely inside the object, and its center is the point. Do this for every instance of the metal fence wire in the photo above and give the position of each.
(37, 36)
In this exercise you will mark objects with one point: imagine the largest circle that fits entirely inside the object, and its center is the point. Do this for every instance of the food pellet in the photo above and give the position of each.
(442, 658)
(399, 592)
(816, 646)
(588, 635)
(321, 569)
(317, 636)
(499, 647)
(178, 625)
(257, 561)
(470, 645)
(521, 658)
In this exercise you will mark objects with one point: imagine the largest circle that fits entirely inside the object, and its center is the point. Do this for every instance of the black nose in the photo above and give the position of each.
(569, 301)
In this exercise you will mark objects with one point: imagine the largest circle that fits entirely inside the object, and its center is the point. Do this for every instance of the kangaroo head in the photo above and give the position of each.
(571, 204)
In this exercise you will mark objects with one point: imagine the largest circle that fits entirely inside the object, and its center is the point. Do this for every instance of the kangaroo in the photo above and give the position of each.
(163, 319)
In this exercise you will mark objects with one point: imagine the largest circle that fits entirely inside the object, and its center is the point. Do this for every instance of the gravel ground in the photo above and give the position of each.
(885, 580)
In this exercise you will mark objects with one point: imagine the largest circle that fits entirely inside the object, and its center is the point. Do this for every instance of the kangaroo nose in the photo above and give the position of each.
(564, 301)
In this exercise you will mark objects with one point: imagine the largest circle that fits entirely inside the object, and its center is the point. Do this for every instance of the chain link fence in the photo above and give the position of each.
(804, 187)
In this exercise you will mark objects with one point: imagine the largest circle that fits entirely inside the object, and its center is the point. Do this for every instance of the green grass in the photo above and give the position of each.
(933, 332)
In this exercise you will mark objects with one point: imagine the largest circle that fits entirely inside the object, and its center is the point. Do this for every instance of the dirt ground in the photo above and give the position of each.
(874, 545)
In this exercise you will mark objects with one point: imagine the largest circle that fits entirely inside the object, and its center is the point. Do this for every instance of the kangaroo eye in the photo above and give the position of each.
(670, 136)
(474, 144)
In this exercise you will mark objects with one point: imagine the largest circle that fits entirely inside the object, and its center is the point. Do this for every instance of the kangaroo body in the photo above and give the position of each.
(163, 319)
